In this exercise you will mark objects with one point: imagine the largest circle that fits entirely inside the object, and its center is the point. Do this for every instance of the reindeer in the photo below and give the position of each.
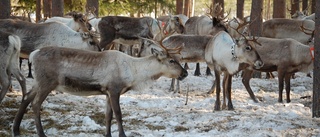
(193, 50)
(223, 55)
(219, 51)
(204, 25)
(78, 22)
(286, 56)
(86, 73)
(302, 16)
(287, 28)
(126, 30)
(34, 36)
(9, 53)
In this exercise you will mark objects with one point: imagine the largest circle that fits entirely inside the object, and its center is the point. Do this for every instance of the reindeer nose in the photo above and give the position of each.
(258, 64)
(183, 74)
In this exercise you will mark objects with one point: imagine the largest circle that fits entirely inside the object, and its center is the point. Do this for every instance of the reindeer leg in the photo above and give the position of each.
(178, 87)
(22, 81)
(22, 109)
(280, 80)
(228, 91)
(41, 94)
(172, 85)
(208, 72)
(197, 71)
(218, 90)
(224, 92)
(108, 116)
(114, 97)
(5, 80)
(287, 82)
(29, 67)
(186, 66)
(247, 75)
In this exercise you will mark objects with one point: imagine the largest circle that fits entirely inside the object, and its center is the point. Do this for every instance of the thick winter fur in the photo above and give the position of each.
(203, 25)
(219, 57)
(286, 56)
(78, 22)
(9, 54)
(85, 73)
(287, 28)
(34, 36)
(127, 30)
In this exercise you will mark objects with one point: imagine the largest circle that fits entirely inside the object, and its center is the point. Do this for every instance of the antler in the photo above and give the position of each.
(91, 10)
(304, 30)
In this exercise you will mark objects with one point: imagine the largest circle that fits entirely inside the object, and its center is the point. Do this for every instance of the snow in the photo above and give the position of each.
(156, 112)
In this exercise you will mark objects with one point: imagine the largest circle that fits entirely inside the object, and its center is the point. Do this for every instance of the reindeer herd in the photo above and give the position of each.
(77, 55)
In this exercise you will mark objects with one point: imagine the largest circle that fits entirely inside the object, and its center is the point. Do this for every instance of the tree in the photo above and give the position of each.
(5, 7)
(179, 6)
(279, 9)
(47, 8)
(295, 6)
(38, 10)
(240, 7)
(316, 71)
(313, 6)
(256, 25)
(304, 4)
(57, 8)
(93, 4)
(186, 8)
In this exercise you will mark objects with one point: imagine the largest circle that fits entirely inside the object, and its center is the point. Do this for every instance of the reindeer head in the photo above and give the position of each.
(81, 21)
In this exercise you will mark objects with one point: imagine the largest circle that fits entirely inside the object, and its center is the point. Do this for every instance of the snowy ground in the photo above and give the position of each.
(155, 112)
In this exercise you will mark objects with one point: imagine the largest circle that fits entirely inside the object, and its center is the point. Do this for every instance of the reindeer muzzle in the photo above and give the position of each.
(183, 74)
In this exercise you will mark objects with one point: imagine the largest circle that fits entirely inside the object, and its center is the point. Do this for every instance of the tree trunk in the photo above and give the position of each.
(279, 9)
(316, 71)
(305, 5)
(313, 6)
(5, 7)
(240, 7)
(186, 7)
(93, 4)
(47, 8)
(191, 8)
(256, 25)
(295, 6)
(179, 6)
(57, 8)
(38, 10)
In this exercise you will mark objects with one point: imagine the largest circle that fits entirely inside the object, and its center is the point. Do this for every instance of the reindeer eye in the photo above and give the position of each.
(172, 61)
(248, 48)
(92, 43)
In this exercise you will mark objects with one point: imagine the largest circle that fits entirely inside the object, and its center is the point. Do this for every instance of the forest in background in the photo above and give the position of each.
(139, 8)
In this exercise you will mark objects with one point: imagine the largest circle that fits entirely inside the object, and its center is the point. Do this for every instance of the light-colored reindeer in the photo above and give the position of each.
(9, 53)
(219, 51)
(34, 36)
(78, 22)
(86, 73)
